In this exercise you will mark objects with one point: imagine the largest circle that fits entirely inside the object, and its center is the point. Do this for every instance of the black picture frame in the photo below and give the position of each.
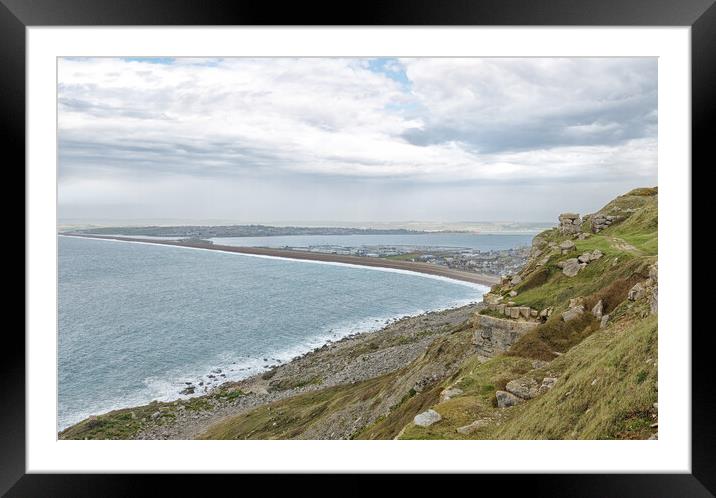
(16, 15)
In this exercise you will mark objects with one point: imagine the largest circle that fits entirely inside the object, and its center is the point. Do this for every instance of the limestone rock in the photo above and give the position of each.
(572, 313)
(596, 254)
(585, 258)
(604, 322)
(450, 393)
(654, 297)
(539, 363)
(524, 387)
(636, 292)
(654, 301)
(547, 384)
(569, 223)
(490, 298)
(470, 428)
(513, 293)
(575, 301)
(654, 272)
(505, 399)
(427, 418)
(495, 335)
(598, 310)
(566, 246)
(516, 280)
(571, 267)
(525, 312)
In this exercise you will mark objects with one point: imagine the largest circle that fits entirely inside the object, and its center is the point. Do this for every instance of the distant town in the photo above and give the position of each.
(492, 262)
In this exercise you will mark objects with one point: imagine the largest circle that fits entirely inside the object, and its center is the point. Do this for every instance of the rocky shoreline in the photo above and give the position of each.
(350, 360)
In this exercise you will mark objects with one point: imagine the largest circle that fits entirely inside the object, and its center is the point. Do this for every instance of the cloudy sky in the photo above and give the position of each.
(438, 139)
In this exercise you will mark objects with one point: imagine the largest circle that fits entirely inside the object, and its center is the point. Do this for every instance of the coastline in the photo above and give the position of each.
(311, 347)
(361, 261)
(352, 359)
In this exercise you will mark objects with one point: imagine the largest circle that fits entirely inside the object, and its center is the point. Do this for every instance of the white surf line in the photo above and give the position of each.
(480, 287)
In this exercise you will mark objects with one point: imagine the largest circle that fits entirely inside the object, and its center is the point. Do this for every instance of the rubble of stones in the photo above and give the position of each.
(571, 223)
(577, 307)
(512, 311)
(600, 221)
(570, 267)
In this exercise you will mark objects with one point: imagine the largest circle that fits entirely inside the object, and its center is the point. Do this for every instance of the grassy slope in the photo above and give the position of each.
(607, 378)
(606, 389)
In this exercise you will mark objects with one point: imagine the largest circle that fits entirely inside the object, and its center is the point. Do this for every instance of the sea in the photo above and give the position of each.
(138, 321)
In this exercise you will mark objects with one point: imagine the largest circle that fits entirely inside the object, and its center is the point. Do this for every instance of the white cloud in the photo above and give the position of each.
(432, 121)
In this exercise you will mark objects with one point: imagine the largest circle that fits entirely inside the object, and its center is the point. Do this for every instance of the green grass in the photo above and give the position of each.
(127, 422)
(118, 424)
(296, 382)
(288, 419)
(607, 389)
(478, 382)
(403, 257)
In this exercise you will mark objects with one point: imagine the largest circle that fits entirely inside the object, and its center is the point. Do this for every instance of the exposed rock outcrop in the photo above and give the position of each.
(570, 267)
(495, 335)
(601, 221)
(636, 292)
(572, 313)
(524, 387)
(566, 246)
(569, 223)
(506, 399)
(547, 384)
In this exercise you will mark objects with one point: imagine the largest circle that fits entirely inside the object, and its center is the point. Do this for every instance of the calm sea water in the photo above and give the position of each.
(137, 321)
(483, 242)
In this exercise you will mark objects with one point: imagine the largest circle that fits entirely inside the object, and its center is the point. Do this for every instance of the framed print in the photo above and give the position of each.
(413, 240)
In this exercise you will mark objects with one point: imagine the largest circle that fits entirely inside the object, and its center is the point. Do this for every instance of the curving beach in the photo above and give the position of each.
(418, 267)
